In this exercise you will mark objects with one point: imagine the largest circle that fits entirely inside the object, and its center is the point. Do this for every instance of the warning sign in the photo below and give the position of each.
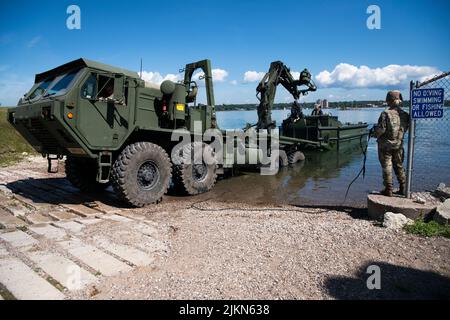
(427, 103)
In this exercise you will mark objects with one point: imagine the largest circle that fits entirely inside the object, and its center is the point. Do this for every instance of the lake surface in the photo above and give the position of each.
(324, 176)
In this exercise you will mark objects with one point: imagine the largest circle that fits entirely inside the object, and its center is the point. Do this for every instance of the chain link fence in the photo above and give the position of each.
(431, 159)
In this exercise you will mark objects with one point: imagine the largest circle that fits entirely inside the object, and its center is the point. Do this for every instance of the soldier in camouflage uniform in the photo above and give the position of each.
(392, 126)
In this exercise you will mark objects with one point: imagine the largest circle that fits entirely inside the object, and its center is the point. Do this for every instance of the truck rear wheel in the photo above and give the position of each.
(296, 156)
(196, 177)
(141, 174)
(283, 158)
(82, 174)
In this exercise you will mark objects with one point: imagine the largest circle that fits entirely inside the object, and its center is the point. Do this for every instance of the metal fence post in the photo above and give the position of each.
(411, 136)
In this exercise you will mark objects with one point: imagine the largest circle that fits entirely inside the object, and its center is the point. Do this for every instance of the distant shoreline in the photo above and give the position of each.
(342, 105)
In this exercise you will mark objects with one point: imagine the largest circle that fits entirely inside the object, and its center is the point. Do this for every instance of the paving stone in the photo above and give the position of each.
(95, 258)
(49, 232)
(62, 215)
(17, 209)
(3, 198)
(88, 221)
(18, 239)
(71, 226)
(7, 220)
(31, 201)
(5, 190)
(66, 272)
(104, 208)
(135, 256)
(24, 191)
(117, 218)
(37, 218)
(24, 283)
(81, 210)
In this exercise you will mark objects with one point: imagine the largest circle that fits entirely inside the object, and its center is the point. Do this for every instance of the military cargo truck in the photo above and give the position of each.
(116, 128)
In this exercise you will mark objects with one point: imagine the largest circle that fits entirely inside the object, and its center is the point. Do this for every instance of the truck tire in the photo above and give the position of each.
(296, 156)
(82, 174)
(141, 174)
(195, 178)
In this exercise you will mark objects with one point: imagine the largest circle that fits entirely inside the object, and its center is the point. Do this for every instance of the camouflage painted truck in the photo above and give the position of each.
(115, 128)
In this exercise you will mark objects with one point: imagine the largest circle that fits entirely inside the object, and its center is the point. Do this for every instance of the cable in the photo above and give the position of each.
(363, 169)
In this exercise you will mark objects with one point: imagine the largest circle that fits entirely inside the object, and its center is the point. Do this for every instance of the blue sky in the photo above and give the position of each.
(330, 38)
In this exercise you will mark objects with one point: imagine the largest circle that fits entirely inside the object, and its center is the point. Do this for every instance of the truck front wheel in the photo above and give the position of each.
(82, 174)
(141, 174)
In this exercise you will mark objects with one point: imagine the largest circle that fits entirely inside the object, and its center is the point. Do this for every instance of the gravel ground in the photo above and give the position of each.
(249, 252)
(207, 248)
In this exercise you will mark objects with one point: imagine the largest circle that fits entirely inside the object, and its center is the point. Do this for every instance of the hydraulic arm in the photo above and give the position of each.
(279, 73)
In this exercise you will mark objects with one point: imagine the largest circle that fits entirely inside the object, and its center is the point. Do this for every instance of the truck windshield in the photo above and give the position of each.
(55, 85)
(61, 84)
(41, 88)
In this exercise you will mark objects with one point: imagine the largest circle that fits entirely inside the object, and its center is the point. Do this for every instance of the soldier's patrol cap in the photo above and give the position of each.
(394, 95)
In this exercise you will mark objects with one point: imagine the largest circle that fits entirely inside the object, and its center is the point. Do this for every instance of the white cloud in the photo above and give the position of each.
(349, 76)
(33, 41)
(233, 82)
(253, 76)
(156, 77)
(219, 75)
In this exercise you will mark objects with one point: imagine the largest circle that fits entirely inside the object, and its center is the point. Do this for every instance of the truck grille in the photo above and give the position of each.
(41, 134)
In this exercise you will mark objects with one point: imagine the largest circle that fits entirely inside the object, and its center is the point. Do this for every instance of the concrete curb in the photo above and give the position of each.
(378, 205)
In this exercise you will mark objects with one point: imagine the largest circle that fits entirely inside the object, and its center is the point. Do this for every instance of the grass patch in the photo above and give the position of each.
(12, 144)
(428, 229)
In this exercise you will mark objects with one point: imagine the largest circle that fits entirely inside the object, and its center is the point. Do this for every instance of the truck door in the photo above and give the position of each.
(103, 112)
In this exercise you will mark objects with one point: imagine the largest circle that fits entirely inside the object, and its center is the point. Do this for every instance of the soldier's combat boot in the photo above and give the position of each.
(387, 191)
(402, 190)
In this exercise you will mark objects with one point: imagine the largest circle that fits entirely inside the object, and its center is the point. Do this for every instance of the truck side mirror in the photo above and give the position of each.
(119, 83)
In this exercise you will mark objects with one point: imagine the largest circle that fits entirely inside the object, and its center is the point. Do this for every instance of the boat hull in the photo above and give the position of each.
(327, 132)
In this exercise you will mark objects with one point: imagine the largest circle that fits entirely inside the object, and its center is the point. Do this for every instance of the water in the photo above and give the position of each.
(323, 177)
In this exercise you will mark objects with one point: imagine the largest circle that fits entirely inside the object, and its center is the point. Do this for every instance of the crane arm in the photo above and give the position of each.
(279, 73)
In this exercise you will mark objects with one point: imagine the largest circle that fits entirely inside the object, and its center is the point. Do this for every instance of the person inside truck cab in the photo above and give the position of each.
(106, 86)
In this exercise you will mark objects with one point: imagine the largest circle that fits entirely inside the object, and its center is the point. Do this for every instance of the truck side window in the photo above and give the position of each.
(105, 87)
(98, 87)
(88, 90)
